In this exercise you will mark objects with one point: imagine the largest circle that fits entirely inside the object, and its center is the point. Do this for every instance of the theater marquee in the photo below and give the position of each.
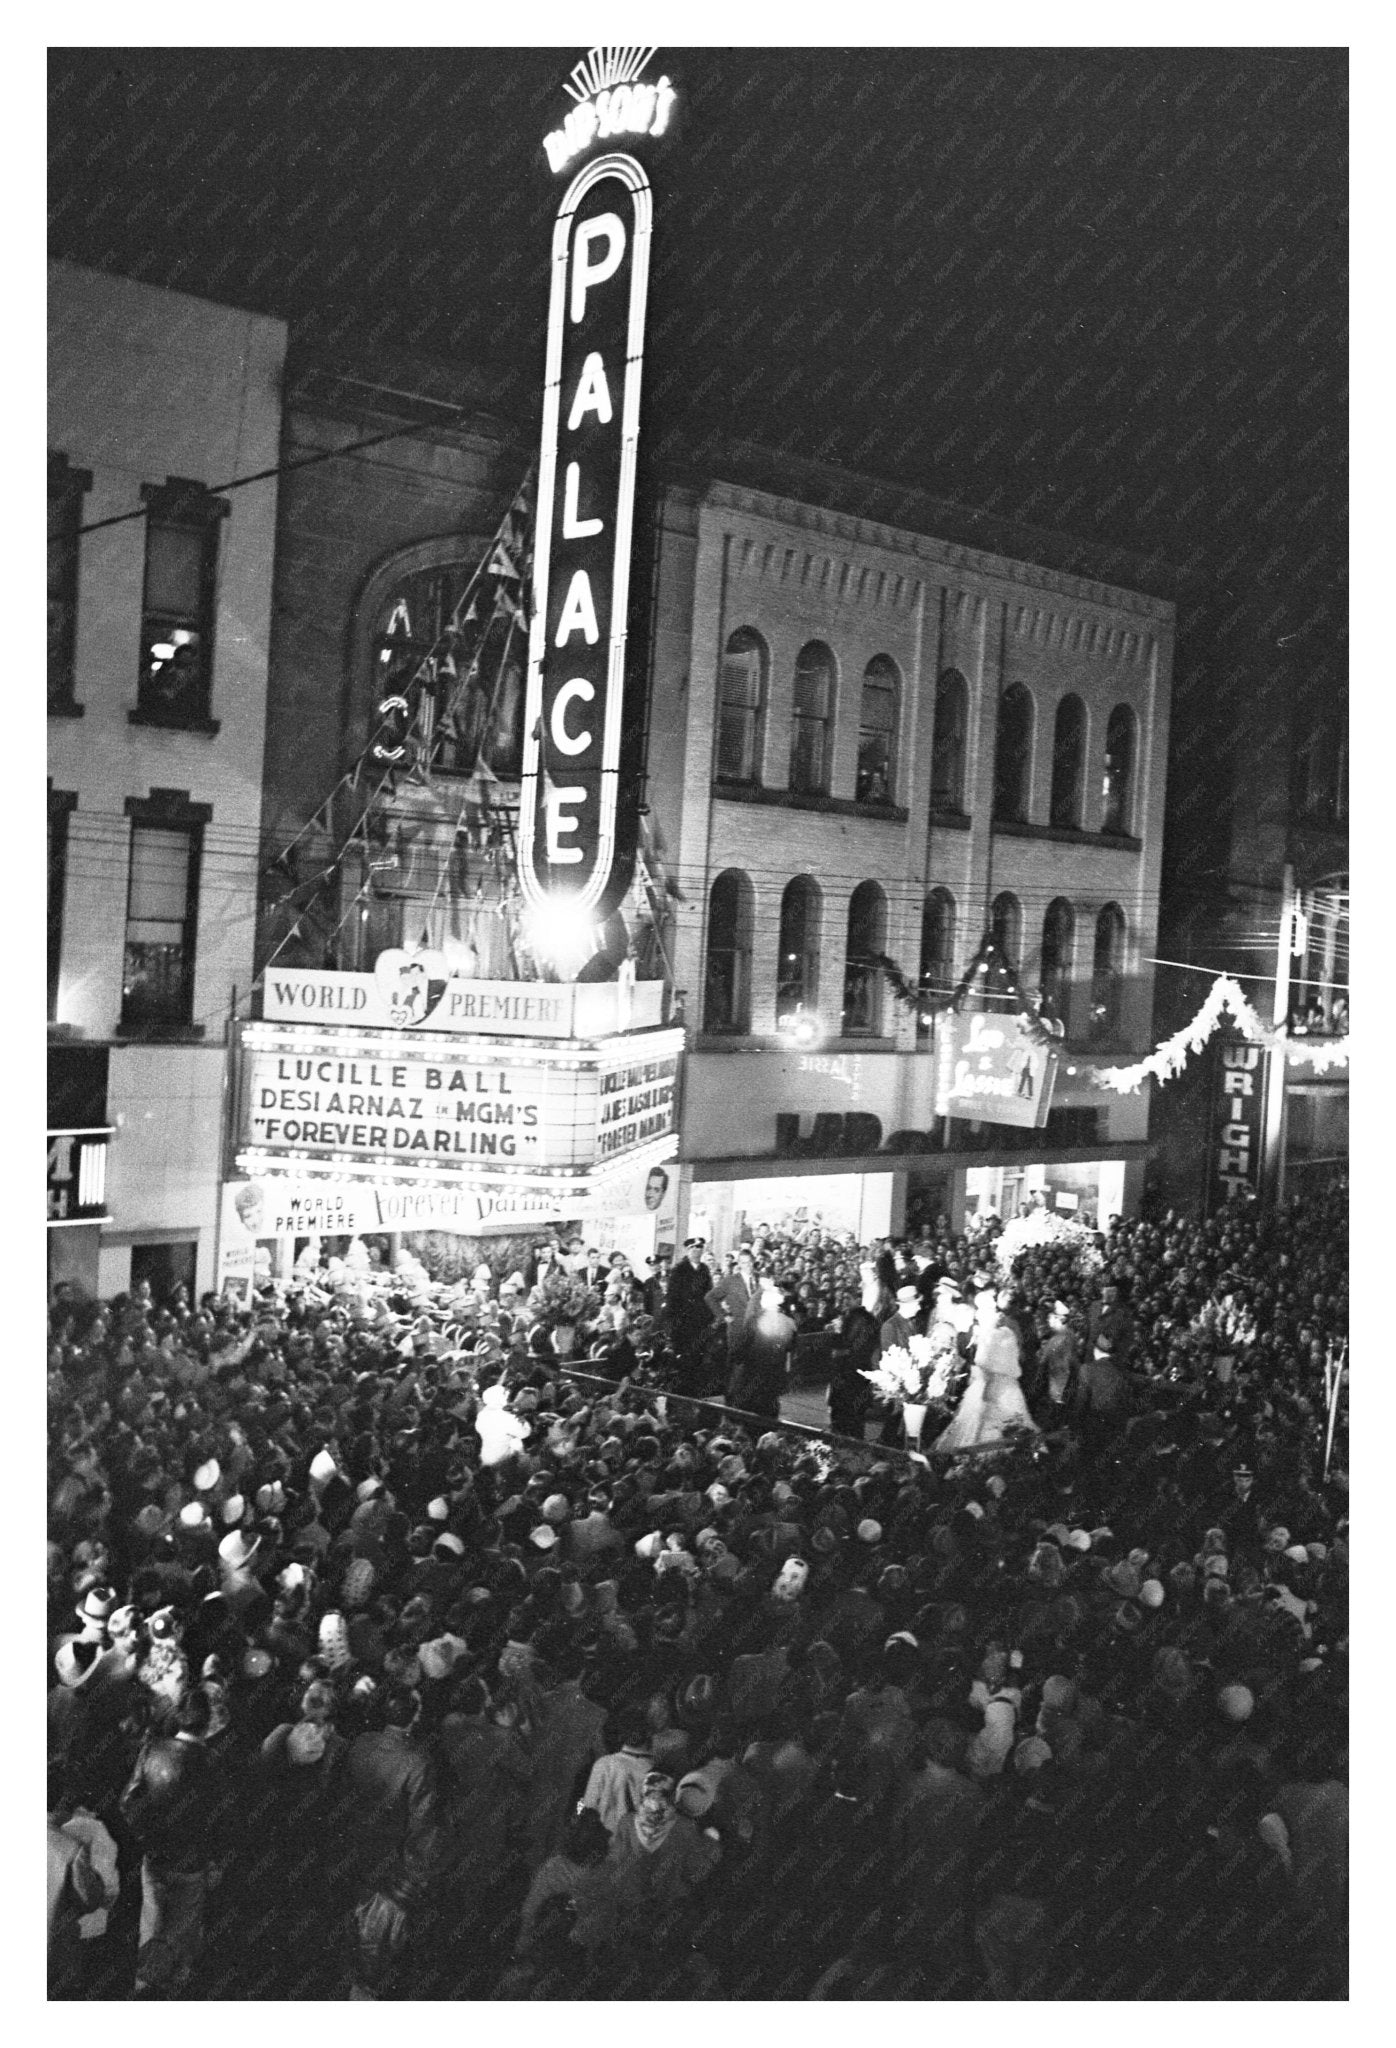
(470, 1111)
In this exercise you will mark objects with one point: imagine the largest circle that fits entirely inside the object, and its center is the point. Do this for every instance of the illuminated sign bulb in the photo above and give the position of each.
(610, 100)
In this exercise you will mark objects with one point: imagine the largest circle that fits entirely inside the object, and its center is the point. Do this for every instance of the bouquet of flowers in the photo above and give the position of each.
(915, 1373)
(1223, 1326)
(563, 1298)
(1043, 1227)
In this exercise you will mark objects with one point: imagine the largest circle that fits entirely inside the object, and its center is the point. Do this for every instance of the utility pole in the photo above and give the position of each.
(1273, 1164)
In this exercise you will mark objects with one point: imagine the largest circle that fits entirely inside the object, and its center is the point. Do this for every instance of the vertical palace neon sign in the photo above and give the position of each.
(570, 844)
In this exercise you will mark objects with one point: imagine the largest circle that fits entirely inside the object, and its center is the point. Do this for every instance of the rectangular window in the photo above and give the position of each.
(60, 808)
(161, 917)
(65, 494)
(178, 604)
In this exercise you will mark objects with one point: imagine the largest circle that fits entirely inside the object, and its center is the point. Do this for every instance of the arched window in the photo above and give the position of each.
(727, 982)
(797, 968)
(1006, 927)
(937, 951)
(862, 976)
(1108, 973)
(1058, 934)
(877, 732)
(948, 746)
(1013, 755)
(741, 711)
(812, 720)
(1068, 762)
(1118, 788)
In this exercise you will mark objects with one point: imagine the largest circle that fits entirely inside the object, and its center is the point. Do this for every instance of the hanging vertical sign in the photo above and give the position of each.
(1234, 1157)
(574, 845)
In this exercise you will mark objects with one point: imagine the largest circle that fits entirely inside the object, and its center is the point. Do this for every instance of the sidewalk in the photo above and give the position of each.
(806, 1405)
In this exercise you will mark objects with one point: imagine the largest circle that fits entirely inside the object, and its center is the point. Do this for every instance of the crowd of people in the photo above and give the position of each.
(410, 1640)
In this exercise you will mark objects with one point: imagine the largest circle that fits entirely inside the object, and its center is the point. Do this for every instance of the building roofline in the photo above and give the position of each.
(888, 514)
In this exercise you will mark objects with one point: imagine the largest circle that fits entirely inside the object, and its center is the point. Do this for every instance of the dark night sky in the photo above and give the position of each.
(1102, 291)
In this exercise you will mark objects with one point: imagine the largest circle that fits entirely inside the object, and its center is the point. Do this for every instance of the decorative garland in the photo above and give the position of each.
(989, 973)
(1167, 1061)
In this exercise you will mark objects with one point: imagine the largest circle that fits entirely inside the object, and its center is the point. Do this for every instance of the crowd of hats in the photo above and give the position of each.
(300, 1494)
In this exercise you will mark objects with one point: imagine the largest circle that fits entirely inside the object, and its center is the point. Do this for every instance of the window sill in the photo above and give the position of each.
(796, 800)
(67, 708)
(159, 1034)
(950, 821)
(1067, 835)
(774, 1041)
(170, 722)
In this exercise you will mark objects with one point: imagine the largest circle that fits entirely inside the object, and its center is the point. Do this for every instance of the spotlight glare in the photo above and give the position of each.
(561, 934)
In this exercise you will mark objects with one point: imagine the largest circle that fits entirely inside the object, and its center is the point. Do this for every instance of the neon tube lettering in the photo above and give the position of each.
(574, 528)
(555, 824)
(564, 741)
(578, 613)
(585, 273)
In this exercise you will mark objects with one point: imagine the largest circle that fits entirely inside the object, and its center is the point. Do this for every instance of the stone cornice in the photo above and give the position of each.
(936, 555)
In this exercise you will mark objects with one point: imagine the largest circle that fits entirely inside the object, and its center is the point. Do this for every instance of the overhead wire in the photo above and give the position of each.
(409, 432)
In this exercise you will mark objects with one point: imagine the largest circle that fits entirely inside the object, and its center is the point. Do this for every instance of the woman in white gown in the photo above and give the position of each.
(993, 1400)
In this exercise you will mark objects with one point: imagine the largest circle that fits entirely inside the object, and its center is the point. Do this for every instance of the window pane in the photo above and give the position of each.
(174, 559)
(797, 970)
(155, 984)
(159, 876)
(60, 556)
(807, 755)
(1006, 927)
(741, 680)
(811, 693)
(1119, 766)
(878, 720)
(948, 745)
(57, 880)
(1012, 754)
(172, 670)
(736, 734)
(63, 512)
(862, 982)
(726, 994)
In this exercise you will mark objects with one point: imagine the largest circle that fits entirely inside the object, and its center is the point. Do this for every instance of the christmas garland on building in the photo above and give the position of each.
(990, 976)
(1167, 1060)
